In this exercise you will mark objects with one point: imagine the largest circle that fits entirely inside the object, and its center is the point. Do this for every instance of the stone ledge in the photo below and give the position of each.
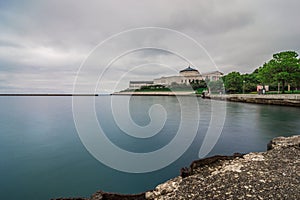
(274, 174)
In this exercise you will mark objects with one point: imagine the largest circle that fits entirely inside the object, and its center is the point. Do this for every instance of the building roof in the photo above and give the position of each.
(189, 69)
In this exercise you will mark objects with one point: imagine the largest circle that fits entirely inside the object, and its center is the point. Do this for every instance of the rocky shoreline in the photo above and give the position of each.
(274, 174)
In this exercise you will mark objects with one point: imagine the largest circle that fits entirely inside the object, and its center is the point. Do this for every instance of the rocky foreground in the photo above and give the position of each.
(274, 174)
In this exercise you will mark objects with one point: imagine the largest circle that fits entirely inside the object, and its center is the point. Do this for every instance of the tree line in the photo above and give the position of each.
(281, 72)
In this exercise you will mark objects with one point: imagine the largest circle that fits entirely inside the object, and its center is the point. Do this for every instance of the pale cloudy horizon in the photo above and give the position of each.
(44, 43)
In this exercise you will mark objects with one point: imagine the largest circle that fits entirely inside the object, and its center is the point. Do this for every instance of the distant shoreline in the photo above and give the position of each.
(16, 94)
(271, 99)
(160, 93)
(274, 99)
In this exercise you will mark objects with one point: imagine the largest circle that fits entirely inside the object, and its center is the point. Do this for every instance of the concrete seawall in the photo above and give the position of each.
(283, 100)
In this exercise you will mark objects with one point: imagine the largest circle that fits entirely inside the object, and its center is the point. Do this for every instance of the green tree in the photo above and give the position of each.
(250, 81)
(233, 82)
(199, 84)
(216, 86)
(181, 87)
(283, 68)
(296, 82)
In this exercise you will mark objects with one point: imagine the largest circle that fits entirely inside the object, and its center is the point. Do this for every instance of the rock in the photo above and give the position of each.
(266, 175)
(97, 196)
(165, 188)
(253, 157)
(212, 161)
(280, 142)
(236, 167)
(185, 172)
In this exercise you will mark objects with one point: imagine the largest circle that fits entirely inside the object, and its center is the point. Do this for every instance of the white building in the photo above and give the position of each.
(186, 76)
(134, 85)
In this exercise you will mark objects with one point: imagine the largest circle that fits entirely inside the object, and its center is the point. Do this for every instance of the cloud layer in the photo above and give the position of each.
(42, 44)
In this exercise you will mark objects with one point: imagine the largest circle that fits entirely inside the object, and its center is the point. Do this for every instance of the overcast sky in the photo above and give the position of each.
(44, 43)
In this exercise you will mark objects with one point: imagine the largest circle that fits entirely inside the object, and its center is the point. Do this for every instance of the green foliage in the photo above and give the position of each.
(194, 86)
(233, 82)
(150, 88)
(198, 85)
(200, 90)
(250, 82)
(146, 87)
(216, 86)
(283, 68)
(263, 74)
(176, 86)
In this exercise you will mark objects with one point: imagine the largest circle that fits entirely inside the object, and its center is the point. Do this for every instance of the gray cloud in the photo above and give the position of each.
(42, 41)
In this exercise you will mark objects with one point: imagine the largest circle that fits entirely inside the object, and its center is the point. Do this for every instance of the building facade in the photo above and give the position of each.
(186, 76)
(134, 85)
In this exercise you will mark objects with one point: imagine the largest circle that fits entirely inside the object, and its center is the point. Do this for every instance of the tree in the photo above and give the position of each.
(296, 82)
(177, 86)
(199, 84)
(250, 81)
(216, 86)
(233, 82)
(283, 68)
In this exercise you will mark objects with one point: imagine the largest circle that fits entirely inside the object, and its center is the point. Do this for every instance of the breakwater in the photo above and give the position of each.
(277, 99)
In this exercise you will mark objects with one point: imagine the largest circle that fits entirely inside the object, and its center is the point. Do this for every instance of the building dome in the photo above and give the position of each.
(189, 72)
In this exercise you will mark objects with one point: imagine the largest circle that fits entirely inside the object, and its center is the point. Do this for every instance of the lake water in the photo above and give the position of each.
(42, 156)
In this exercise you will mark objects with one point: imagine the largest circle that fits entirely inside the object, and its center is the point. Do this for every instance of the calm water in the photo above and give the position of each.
(42, 156)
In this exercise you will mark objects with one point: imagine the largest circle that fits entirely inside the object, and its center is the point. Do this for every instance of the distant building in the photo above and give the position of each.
(186, 76)
(189, 72)
(133, 85)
